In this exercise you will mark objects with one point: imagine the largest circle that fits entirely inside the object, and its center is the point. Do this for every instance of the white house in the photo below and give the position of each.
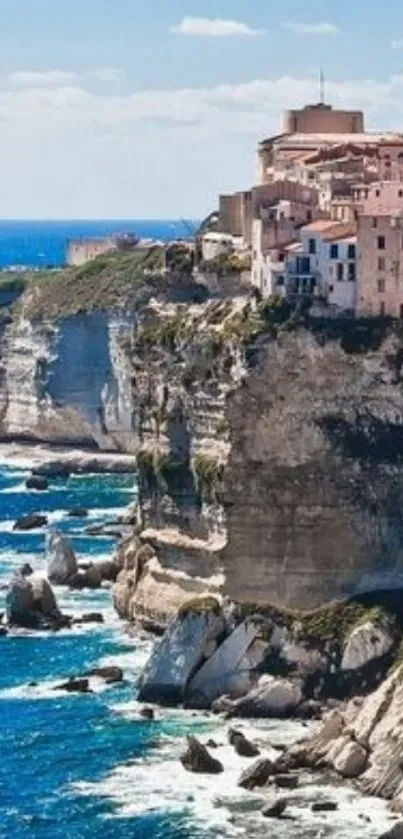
(324, 263)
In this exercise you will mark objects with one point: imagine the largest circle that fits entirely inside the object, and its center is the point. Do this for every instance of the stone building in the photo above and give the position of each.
(80, 251)
(380, 244)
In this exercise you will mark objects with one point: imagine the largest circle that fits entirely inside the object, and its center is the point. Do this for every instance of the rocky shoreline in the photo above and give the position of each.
(339, 665)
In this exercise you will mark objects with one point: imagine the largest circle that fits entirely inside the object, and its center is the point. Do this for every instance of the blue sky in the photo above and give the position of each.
(122, 108)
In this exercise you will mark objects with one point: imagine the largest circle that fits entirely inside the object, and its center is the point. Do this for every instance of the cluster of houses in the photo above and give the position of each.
(326, 217)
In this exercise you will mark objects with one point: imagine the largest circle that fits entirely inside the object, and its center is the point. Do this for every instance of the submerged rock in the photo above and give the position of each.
(32, 521)
(110, 674)
(91, 617)
(198, 759)
(78, 513)
(180, 652)
(147, 713)
(75, 686)
(62, 561)
(396, 832)
(40, 484)
(324, 806)
(275, 809)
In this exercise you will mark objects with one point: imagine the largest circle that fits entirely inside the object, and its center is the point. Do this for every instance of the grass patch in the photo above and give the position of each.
(208, 473)
(112, 281)
(200, 606)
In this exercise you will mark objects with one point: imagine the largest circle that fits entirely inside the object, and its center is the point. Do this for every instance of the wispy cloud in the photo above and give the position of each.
(48, 78)
(108, 74)
(397, 45)
(61, 78)
(214, 28)
(320, 28)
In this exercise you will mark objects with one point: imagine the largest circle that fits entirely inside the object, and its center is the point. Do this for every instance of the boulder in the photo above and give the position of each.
(275, 809)
(396, 832)
(44, 597)
(110, 674)
(366, 642)
(147, 713)
(286, 781)
(198, 759)
(91, 617)
(31, 522)
(242, 746)
(256, 775)
(351, 761)
(20, 603)
(62, 561)
(38, 483)
(272, 697)
(230, 669)
(53, 469)
(93, 575)
(75, 686)
(324, 806)
(180, 652)
(78, 513)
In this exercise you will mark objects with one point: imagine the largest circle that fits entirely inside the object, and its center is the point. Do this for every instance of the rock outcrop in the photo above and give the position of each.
(198, 759)
(31, 603)
(62, 561)
(186, 643)
(363, 742)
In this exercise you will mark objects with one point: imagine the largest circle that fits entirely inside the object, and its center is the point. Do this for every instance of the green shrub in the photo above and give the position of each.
(208, 473)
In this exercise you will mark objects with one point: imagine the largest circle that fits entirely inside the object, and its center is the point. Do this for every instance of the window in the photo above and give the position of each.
(340, 272)
(374, 223)
(351, 272)
(351, 252)
(401, 310)
(331, 289)
(400, 193)
(381, 285)
(334, 251)
(312, 246)
(382, 310)
(309, 215)
(381, 243)
(280, 282)
(377, 193)
(381, 263)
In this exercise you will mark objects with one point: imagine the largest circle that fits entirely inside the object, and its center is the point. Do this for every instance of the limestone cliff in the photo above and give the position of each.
(269, 445)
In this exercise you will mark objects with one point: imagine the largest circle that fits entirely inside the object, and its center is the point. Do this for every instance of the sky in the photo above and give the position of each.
(136, 109)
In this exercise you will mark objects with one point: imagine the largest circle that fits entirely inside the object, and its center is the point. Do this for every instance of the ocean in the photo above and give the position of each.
(88, 766)
(43, 244)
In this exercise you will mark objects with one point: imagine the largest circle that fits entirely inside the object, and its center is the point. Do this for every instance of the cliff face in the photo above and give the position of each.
(313, 489)
(67, 380)
(269, 450)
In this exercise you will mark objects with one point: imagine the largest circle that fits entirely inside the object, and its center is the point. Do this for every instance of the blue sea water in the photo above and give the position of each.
(41, 244)
(52, 744)
(88, 766)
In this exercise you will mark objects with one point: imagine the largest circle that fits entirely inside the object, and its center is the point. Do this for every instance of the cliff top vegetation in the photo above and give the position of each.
(113, 280)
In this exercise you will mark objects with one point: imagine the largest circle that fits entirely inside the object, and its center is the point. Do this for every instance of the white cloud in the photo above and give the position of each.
(98, 153)
(25, 78)
(397, 45)
(321, 28)
(108, 74)
(214, 27)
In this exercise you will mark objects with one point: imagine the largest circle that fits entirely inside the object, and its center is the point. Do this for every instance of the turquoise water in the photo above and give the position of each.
(50, 744)
(88, 767)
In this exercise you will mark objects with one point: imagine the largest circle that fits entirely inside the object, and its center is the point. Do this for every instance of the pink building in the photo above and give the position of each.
(380, 244)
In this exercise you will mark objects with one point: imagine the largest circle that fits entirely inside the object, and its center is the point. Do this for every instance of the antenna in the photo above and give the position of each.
(322, 87)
